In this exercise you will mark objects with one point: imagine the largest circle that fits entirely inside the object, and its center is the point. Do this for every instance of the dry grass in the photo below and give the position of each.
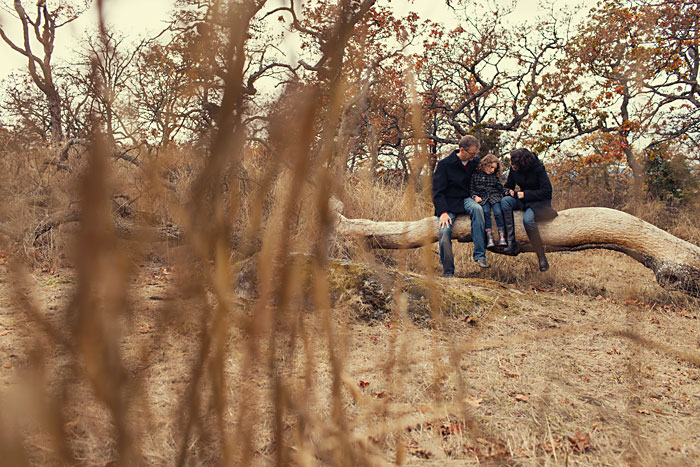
(534, 369)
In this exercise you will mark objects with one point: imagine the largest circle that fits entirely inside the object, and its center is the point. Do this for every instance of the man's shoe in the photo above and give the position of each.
(482, 263)
(448, 274)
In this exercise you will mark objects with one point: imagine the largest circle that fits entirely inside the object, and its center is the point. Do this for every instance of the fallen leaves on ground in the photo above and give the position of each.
(580, 442)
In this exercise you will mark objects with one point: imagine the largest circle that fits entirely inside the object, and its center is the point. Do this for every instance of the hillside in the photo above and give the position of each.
(587, 370)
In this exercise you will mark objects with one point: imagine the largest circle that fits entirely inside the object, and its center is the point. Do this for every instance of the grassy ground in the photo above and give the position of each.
(591, 364)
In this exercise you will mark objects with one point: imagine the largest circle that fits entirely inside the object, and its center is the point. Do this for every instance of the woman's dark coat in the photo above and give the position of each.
(534, 182)
(451, 184)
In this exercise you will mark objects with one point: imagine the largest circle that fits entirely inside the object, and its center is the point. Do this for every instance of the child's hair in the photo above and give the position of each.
(489, 159)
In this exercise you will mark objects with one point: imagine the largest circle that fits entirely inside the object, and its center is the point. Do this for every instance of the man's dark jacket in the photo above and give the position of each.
(451, 184)
(534, 182)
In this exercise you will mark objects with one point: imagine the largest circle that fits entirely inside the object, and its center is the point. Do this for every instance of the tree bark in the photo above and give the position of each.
(675, 262)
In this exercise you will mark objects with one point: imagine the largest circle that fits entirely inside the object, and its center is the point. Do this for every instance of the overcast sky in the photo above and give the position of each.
(141, 18)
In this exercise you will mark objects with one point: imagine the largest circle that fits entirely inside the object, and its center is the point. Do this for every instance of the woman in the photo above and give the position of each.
(534, 196)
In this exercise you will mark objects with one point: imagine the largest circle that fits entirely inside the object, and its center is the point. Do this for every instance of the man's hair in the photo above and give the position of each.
(487, 160)
(522, 158)
(468, 141)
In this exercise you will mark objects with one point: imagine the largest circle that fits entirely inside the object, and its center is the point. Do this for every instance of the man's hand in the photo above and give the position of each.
(521, 195)
(477, 198)
(512, 193)
(445, 220)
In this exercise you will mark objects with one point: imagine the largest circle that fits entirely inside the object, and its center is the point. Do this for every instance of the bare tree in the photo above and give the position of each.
(483, 75)
(104, 69)
(41, 29)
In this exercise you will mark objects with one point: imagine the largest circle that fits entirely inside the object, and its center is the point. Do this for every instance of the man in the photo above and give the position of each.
(451, 197)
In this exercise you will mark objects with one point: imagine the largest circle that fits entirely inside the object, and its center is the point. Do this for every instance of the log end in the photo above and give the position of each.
(676, 276)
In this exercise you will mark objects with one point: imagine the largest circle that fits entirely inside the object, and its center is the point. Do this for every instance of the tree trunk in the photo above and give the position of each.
(55, 122)
(637, 178)
(675, 262)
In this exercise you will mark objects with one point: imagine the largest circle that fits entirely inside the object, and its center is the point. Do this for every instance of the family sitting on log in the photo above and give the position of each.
(463, 183)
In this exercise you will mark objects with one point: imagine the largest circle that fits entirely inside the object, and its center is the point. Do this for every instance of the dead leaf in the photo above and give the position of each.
(553, 444)
(7, 365)
(521, 397)
(474, 402)
(643, 411)
(483, 441)
(5, 332)
(420, 453)
(72, 423)
(364, 384)
(580, 442)
(447, 429)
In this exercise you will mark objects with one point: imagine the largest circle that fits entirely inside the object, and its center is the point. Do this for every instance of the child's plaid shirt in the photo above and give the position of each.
(486, 186)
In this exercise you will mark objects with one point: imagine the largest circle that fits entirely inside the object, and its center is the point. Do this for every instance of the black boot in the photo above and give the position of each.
(512, 248)
(536, 241)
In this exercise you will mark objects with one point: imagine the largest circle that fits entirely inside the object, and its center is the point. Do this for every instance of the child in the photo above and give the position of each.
(487, 190)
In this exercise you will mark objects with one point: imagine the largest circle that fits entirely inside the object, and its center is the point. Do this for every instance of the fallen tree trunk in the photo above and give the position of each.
(675, 262)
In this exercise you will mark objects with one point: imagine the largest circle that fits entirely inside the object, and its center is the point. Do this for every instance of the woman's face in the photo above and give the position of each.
(491, 168)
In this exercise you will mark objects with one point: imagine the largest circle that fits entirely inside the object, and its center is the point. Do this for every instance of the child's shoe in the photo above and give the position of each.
(502, 241)
(489, 240)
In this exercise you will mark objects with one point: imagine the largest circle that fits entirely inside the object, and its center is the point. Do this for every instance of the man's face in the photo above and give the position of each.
(468, 154)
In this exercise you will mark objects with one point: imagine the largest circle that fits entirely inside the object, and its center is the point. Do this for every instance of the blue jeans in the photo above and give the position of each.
(476, 215)
(511, 204)
(497, 213)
